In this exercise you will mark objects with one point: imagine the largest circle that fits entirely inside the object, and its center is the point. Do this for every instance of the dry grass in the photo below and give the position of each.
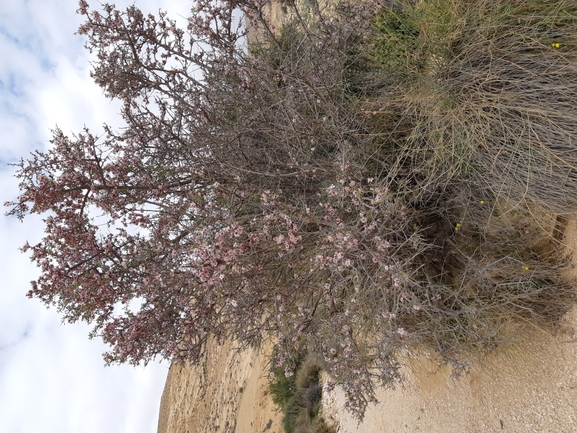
(298, 395)
(489, 90)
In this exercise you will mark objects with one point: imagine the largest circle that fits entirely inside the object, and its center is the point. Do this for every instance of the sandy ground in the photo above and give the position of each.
(227, 392)
(527, 387)
(530, 387)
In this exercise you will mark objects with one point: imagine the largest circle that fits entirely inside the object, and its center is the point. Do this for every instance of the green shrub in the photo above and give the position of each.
(395, 48)
(299, 395)
(283, 383)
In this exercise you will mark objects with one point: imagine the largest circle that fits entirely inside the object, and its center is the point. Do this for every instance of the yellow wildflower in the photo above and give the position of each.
(526, 268)
(556, 45)
(457, 227)
(482, 201)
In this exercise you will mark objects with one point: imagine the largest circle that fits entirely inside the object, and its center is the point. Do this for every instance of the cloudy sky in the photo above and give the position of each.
(52, 377)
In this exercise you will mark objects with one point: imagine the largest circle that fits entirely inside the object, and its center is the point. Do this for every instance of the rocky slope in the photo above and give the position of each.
(227, 392)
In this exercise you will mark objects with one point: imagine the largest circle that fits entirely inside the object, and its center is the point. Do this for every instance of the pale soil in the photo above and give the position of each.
(227, 392)
(530, 388)
(527, 387)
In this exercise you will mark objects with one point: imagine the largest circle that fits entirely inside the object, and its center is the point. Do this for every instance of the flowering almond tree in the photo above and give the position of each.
(240, 199)
(256, 195)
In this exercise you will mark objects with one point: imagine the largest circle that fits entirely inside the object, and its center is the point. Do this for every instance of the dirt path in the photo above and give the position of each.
(523, 388)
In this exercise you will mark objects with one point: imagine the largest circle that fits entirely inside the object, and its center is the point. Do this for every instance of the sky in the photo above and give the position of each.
(52, 376)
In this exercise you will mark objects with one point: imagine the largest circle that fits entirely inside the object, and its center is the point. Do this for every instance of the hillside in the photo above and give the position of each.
(528, 387)
(226, 392)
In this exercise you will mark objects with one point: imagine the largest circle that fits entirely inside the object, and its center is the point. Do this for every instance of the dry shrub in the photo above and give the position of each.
(298, 394)
(499, 273)
(308, 373)
(489, 91)
(312, 396)
(315, 426)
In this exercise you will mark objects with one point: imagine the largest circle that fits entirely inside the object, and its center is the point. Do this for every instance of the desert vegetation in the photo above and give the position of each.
(369, 178)
(297, 391)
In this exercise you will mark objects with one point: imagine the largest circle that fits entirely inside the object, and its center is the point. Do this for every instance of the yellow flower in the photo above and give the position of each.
(526, 268)
(457, 227)
(556, 45)
(482, 201)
